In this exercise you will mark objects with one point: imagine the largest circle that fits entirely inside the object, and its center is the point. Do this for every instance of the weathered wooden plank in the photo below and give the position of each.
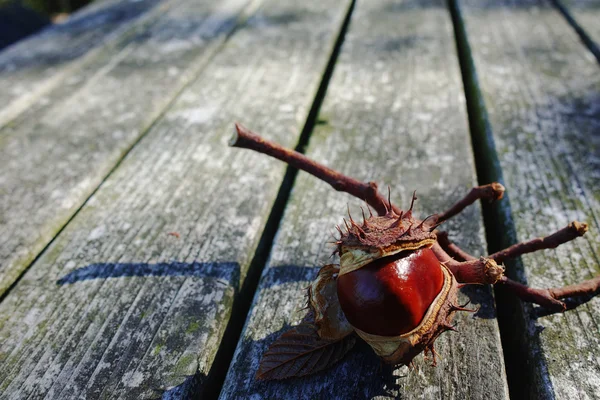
(58, 152)
(586, 14)
(34, 66)
(394, 112)
(117, 306)
(540, 87)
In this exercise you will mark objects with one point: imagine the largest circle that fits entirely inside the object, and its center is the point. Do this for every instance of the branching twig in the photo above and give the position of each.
(586, 288)
(492, 192)
(368, 192)
(469, 269)
(476, 271)
(452, 249)
(568, 233)
(550, 298)
(537, 296)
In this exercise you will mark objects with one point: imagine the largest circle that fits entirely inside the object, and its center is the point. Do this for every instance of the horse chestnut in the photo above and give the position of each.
(395, 285)
(391, 288)
(391, 295)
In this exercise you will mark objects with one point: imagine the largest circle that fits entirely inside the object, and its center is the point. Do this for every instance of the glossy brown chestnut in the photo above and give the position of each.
(391, 295)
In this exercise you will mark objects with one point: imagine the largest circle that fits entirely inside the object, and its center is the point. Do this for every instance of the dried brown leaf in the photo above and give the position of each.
(300, 351)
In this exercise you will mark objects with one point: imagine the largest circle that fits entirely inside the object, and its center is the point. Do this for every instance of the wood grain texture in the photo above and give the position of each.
(541, 90)
(32, 67)
(56, 154)
(394, 112)
(133, 296)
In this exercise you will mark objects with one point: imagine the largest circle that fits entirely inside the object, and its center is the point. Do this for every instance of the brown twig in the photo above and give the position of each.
(452, 249)
(542, 297)
(471, 269)
(492, 192)
(568, 233)
(245, 138)
(550, 298)
(586, 288)
(476, 271)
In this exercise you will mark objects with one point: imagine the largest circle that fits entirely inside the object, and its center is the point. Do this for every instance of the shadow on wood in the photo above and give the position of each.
(360, 371)
(18, 22)
(228, 271)
(88, 24)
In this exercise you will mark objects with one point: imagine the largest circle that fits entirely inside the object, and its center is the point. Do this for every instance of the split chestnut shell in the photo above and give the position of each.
(390, 288)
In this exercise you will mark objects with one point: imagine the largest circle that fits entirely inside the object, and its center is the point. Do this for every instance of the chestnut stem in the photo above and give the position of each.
(245, 138)
(537, 296)
(452, 249)
(471, 270)
(476, 271)
(493, 191)
(590, 287)
(550, 298)
(568, 233)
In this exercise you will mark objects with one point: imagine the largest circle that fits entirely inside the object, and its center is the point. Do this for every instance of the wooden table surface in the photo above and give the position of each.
(141, 257)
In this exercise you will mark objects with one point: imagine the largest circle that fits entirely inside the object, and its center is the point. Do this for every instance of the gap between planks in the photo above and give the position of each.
(500, 231)
(500, 228)
(585, 38)
(253, 344)
(323, 57)
(244, 300)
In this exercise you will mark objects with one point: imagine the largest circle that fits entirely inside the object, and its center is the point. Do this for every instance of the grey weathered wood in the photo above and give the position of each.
(117, 307)
(56, 154)
(587, 15)
(33, 66)
(394, 113)
(540, 87)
